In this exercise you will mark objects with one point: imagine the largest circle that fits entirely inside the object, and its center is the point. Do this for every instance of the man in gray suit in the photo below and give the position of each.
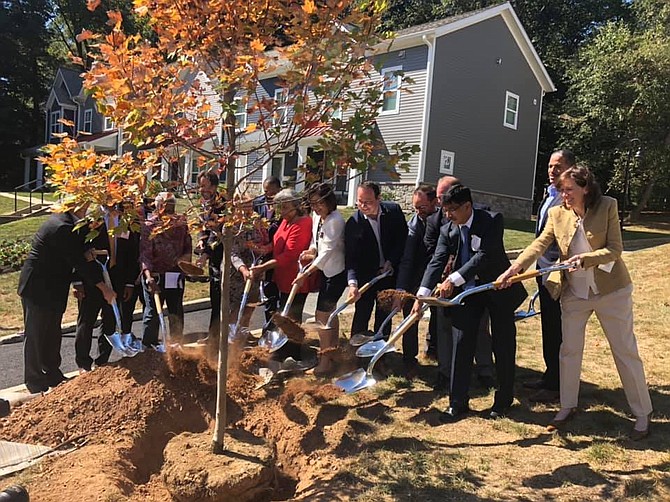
(547, 387)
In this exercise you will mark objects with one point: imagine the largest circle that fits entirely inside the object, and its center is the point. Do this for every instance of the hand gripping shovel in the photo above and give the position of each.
(118, 342)
(369, 347)
(458, 299)
(525, 314)
(362, 379)
(324, 331)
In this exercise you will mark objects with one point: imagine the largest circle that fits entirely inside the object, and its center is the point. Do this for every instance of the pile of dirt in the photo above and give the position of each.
(120, 417)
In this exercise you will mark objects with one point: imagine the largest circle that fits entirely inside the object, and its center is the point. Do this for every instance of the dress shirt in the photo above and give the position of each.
(581, 281)
(374, 223)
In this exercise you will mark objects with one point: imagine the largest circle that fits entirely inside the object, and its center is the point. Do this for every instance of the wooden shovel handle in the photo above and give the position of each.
(519, 277)
(289, 300)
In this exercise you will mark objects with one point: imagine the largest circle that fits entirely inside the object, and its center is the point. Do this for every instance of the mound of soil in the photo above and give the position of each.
(120, 418)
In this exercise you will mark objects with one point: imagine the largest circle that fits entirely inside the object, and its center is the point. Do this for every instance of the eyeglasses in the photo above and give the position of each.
(451, 209)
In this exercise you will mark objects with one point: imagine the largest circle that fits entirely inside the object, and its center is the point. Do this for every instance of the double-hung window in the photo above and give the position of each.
(391, 82)
(88, 120)
(511, 110)
(240, 114)
(55, 126)
(280, 116)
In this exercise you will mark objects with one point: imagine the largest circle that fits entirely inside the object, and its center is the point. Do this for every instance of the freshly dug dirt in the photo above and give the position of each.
(121, 417)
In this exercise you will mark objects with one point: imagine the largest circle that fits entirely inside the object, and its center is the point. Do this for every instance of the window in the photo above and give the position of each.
(55, 126)
(511, 110)
(280, 115)
(278, 166)
(195, 171)
(109, 124)
(391, 88)
(88, 120)
(240, 114)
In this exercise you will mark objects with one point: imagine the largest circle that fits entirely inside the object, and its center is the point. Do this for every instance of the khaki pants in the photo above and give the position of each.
(615, 313)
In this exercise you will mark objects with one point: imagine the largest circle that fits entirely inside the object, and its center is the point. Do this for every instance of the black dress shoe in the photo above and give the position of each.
(497, 412)
(454, 414)
(37, 388)
(534, 384)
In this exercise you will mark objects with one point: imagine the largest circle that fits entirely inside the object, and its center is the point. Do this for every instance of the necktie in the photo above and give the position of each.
(465, 253)
(112, 241)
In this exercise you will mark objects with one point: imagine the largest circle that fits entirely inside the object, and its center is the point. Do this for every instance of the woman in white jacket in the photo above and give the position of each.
(326, 254)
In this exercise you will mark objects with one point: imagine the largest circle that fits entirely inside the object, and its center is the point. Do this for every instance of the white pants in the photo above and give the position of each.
(615, 313)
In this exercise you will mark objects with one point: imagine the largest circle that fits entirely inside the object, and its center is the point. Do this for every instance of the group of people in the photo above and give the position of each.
(450, 244)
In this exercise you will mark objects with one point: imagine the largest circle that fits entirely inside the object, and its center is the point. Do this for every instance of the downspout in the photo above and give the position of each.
(426, 108)
(537, 148)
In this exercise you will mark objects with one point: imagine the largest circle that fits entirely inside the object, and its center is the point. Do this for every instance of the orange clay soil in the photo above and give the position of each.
(121, 416)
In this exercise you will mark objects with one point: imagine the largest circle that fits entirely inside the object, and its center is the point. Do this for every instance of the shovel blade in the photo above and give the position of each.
(367, 382)
(350, 380)
(360, 339)
(371, 348)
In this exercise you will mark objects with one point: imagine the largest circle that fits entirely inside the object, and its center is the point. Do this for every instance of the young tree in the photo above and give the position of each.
(207, 59)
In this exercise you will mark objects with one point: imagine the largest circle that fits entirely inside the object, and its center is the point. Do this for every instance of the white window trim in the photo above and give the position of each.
(240, 116)
(54, 125)
(391, 70)
(88, 120)
(516, 112)
(109, 124)
(281, 111)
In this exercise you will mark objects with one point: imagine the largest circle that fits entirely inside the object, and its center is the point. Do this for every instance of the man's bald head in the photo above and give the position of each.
(444, 184)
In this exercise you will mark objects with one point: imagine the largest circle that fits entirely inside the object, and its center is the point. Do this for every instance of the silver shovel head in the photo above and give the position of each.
(371, 348)
(350, 380)
(366, 383)
(274, 340)
(117, 343)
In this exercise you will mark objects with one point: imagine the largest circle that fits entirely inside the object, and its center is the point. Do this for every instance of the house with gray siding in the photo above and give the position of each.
(467, 90)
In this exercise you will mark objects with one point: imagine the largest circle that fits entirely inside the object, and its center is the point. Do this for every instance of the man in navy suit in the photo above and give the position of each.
(547, 387)
(475, 238)
(374, 241)
(412, 266)
(43, 286)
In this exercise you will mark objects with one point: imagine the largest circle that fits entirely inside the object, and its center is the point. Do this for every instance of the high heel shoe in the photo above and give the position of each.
(558, 423)
(637, 435)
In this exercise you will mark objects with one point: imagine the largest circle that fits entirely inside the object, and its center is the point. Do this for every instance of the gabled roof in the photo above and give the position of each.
(72, 79)
(414, 35)
(73, 86)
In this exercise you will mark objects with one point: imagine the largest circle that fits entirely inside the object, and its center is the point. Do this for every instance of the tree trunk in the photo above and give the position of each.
(644, 199)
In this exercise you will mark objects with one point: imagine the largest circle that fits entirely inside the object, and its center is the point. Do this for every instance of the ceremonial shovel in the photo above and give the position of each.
(369, 347)
(120, 343)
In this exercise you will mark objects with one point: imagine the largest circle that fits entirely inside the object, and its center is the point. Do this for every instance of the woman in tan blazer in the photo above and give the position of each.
(586, 229)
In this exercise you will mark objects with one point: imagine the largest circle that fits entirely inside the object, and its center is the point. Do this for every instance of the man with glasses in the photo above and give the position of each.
(475, 238)
(374, 240)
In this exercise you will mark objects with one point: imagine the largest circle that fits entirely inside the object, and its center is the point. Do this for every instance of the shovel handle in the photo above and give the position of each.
(520, 277)
(367, 286)
(159, 304)
(289, 300)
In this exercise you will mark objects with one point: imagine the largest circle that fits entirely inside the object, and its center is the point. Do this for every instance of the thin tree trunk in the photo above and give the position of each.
(644, 199)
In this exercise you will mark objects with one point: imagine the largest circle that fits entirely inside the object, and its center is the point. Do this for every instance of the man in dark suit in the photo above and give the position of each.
(547, 387)
(374, 241)
(122, 251)
(43, 286)
(443, 346)
(475, 238)
(412, 267)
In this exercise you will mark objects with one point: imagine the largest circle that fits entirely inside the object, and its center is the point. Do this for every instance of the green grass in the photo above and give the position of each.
(22, 229)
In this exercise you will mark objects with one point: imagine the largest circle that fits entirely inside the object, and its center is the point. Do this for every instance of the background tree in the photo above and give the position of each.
(619, 92)
(26, 71)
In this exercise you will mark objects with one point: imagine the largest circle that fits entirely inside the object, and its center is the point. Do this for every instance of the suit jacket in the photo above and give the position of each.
(47, 272)
(488, 258)
(127, 267)
(361, 250)
(434, 224)
(415, 258)
(601, 226)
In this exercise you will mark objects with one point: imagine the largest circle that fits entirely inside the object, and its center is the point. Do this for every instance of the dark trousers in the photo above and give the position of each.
(410, 340)
(90, 306)
(364, 306)
(41, 348)
(445, 344)
(466, 322)
(551, 336)
(174, 299)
